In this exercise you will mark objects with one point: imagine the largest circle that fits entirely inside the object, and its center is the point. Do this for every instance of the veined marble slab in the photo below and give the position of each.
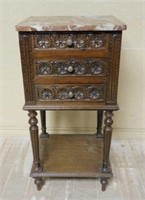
(71, 23)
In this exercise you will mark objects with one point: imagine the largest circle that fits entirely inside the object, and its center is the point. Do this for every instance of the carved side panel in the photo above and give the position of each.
(69, 93)
(78, 40)
(71, 67)
(116, 62)
(25, 41)
(113, 71)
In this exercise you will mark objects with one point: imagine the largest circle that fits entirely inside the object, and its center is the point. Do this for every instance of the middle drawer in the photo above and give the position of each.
(71, 67)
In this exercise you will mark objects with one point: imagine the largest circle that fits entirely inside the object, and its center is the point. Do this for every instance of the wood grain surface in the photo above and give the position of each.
(71, 156)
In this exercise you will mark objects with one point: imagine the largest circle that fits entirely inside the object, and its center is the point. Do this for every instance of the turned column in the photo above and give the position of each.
(43, 134)
(34, 140)
(107, 139)
(107, 142)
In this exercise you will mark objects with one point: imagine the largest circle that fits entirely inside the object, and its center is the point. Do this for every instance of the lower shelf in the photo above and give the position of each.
(71, 156)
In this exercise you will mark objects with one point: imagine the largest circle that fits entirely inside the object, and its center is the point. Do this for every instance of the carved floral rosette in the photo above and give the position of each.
(79, 40)
(58, 92)
(71, 67)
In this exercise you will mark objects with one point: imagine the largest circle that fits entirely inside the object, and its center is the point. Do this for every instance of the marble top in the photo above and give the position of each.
(71, 23)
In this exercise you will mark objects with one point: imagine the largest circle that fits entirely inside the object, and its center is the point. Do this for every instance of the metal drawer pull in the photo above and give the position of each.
(69, 42)
(70, 95)
(70, 69)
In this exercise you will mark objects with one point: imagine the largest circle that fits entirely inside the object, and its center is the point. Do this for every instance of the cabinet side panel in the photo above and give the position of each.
(25, 42)
(114, 61)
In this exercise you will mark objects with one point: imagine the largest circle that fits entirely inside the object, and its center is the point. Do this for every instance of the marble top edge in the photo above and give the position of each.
(71, 23)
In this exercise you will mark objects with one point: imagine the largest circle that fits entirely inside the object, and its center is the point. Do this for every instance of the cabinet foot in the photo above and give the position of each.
(44, 134)
(104, 182)
(39, 182)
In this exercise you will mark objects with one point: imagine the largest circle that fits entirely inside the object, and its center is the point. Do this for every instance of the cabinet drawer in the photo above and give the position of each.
(73, 40)
(82, 92)
(70, 67)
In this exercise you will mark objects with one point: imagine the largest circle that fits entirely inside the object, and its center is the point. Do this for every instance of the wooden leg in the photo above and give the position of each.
(39, 182)
(99, 123)
(107, 140)
(43, 134)
(34, 140)
(104, 182)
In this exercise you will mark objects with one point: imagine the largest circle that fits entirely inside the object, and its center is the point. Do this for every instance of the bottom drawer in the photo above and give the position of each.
(71, 92)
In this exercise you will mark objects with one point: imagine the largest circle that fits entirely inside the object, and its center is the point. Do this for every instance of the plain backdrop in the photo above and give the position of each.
(130, 120)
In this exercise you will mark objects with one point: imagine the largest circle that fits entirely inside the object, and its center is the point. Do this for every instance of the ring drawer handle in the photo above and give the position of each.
(69, 42)
(70, 95)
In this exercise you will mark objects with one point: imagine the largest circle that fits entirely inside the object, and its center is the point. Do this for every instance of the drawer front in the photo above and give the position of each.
(82, 92)
(70, 67)
(73, 40)
(38, 76)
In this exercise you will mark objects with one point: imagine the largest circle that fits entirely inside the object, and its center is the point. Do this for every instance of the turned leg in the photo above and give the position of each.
(39, 182)
(34, 140)
(107, 142)
(43, 134)
(107, 139)
(99, 123)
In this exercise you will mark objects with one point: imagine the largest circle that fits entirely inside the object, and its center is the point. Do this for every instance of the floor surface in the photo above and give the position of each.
(128, 183)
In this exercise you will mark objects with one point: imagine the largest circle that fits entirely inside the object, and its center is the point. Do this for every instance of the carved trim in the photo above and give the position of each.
(82, 92)
(71, 67)
(27, 65)
(79, 40)
(116, 62)
(43, 41)
(113, 71)
(109, 70)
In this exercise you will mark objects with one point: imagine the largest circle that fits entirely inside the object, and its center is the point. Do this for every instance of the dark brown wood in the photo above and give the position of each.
(99, 123)
(104, 182)
(107, 140)
(69, 80)
(39, 182)
(63, 105)
(34, 140)
(114, 59)
(76, 67)
(66, 67)
(32, 80)
(41, 54)
(70, 40)
(27, 66)
(43, 124)
(71, 156)
(71, 92)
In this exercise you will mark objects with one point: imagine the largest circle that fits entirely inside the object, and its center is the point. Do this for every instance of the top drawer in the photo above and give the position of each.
(73, 40)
